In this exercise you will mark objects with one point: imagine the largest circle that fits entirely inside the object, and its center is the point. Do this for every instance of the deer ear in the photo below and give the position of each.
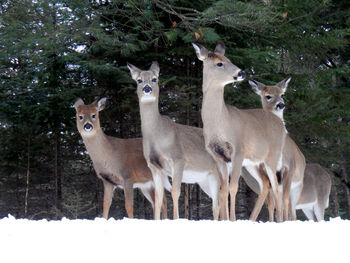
(78, 102)
(284, 84)
(101, 104)
(155, 68)
(257, 86)
(135, 72)
(220, 48)
(201, 52)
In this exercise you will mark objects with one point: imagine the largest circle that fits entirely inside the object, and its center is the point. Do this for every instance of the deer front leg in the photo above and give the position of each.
(176, 187)
(107, 197)
(158, 190)
(237, 161)
(129, 198)
(224, 179)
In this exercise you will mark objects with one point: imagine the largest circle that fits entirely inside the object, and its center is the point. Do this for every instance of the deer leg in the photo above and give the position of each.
(176, 187)
(107, 197)
(211, 186)
(158, 190)
(234, 179)
(129, 198)
(309, 213)
(295, 195)
(276, 193)
(270, 205)
(286, 177)
(224, 179)
(164, 207)
(263, 193)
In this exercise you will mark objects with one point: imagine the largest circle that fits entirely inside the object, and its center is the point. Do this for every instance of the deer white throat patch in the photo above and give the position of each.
(148, 98)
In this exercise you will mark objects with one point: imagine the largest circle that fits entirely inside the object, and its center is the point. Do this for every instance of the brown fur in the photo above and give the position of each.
(170, 148)
(293, 162)
(254, 135)
(117, 162)
(316, 190)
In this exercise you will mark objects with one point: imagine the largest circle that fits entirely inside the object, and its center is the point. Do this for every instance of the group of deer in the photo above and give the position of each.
(253, 143)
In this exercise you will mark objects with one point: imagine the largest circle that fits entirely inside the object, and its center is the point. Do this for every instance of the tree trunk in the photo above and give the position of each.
(333, 202)
(97, 193)
(199, 202)
(27, 178)
(186, 201)
(347, 191)
(241, 201)
(58, 174)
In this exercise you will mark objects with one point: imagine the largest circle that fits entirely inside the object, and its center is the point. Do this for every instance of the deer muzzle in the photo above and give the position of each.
(88, 127)
(147, 89)
(240, 76)
(280, 106)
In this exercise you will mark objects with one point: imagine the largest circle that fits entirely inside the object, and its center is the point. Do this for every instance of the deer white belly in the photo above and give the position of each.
(147, 186)
(306, 205)
(191, 177)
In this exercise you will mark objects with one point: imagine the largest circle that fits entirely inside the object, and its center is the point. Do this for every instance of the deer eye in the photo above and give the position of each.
(219, 64)
(80, 117)
(154, 80)
(282, 96)
(268, 97)
(93, 116)
(139, 81)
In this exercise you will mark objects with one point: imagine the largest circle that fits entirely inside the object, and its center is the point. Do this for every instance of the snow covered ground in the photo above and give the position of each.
(133, 240)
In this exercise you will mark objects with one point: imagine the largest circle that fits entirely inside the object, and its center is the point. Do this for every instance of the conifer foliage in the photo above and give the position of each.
(54, 51)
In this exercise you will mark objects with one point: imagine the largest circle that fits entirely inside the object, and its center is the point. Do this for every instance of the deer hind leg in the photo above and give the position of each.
(271, 205)
(211, 186)
(107, 197)
(286, 177)
(164, 207)
(309, 213)
(276, 193)
(263, 193)
(319, 213)
(176, 186)
(294, 196)
(129, 198)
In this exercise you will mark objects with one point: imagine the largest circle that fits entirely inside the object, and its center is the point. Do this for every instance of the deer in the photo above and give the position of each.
(314, 198)
(117, 162)
(239, 138)
(293, 162)
(172, 149)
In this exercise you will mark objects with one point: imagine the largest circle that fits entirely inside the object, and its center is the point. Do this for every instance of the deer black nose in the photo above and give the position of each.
(280, 106)
(88, 127)
(241, 74)
(147, 89)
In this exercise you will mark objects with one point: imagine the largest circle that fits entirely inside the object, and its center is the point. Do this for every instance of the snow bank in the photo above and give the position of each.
(133, 240)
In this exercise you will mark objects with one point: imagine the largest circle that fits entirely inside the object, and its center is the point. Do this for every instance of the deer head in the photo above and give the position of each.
(271, 96)
(147, 82)
(222, 71)
(88, 122)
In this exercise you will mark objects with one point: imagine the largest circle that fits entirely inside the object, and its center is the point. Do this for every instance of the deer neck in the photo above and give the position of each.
(279, 114)
(150, 116)
(213, 103)
(96, 143)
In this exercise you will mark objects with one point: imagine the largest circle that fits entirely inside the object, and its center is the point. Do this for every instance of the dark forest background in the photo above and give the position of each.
(52, 52)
